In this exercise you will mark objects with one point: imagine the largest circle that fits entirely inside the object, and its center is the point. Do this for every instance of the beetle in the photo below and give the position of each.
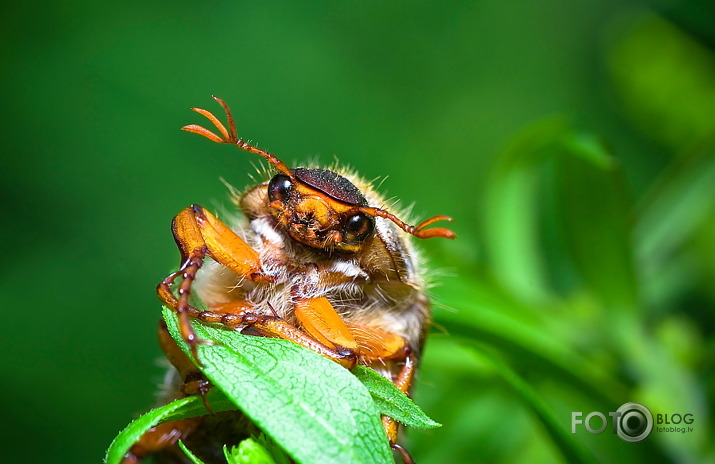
(317, 260)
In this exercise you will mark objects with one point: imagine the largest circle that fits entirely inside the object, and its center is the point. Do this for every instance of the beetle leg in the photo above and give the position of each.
(198, 234)
(271, 326)
(196, 229)
(318, 317)
(406, 458)
(403, 382)
(231, 314)
(194, 382)
(324, 330)
(173, 353)
(159, 437)
(378, 345)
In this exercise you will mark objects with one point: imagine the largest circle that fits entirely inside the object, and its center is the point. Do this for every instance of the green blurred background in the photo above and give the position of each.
(582, 276)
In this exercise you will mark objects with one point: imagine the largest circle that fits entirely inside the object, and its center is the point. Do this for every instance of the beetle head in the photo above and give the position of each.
(320, 208)
(317, 207)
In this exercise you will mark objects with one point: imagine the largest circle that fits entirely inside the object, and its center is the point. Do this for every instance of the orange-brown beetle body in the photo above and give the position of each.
(315, 259)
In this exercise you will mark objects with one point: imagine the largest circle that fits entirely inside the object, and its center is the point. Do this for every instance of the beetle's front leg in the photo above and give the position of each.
(320, 328)
(198, 234)
(323, 330)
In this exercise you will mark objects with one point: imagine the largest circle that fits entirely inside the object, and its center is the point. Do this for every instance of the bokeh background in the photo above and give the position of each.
(571, 141)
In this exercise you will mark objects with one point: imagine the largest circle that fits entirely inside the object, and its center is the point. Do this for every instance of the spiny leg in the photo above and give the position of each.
(321, 326)
(199, 234)
(189, 270)
(215, 315)
(237, 313)
(275, 327)
(194, 382)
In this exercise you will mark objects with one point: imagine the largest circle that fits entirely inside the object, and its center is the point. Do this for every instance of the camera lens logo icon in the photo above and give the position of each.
(634, 422)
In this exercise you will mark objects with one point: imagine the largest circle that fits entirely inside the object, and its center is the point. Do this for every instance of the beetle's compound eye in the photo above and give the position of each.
(279, 188)
(358, 228)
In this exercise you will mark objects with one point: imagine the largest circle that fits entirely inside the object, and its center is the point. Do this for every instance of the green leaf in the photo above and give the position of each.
(316, 410)
(510, 212)
(593, 214)
(249, 451)
(391, 401)
(188, 453)
(588, 180)
(676, 206)
(570, 447)
(527, 342)
(666, 81)
(180, 409)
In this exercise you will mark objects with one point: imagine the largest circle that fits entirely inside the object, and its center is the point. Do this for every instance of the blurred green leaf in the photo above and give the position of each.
(529, 345)
(567, 443)
(668, 217)
(588, 180)
(666, 81)
(316, 410)
(594, 217)
(510, 212)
